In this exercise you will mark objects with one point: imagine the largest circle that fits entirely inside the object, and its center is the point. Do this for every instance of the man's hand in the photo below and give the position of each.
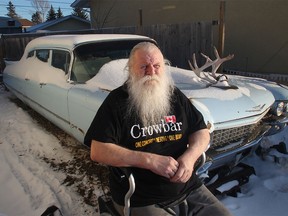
(163, 165)
(198, 142)
(185, 170)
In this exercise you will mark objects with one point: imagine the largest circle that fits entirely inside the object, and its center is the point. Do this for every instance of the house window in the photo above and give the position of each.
(11, 22)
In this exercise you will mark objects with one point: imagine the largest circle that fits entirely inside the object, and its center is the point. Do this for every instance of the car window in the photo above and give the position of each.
(89, 58)
(61, 60)
(42, 55)
(30, 54)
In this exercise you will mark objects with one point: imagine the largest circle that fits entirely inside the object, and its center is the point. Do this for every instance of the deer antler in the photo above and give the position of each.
(209, 63)
(198, 70)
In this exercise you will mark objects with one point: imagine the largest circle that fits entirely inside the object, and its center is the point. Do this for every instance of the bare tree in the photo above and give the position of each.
(42, 6)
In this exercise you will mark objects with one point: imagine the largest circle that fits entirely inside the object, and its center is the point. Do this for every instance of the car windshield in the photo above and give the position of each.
(90, 57)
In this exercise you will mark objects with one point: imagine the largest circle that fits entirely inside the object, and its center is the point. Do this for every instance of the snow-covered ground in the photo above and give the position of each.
(39, 168)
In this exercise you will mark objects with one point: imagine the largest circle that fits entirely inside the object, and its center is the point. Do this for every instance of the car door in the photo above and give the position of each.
(47, 85)
(84, 101)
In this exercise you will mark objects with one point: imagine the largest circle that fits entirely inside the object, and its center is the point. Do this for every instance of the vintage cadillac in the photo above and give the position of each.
(66, 78)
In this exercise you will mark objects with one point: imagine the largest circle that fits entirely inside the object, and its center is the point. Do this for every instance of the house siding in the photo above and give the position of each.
(256, 30)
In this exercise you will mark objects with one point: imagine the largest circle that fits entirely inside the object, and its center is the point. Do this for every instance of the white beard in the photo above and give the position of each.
(150, 97)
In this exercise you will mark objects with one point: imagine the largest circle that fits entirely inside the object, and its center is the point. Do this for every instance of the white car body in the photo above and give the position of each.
(234, 115)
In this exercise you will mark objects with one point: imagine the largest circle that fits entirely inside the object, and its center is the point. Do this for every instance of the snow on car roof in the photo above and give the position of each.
(70, 41)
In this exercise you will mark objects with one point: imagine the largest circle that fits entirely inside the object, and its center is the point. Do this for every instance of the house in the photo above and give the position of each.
(70, 22)
(9, 25)
(255, 31)
(25, 24)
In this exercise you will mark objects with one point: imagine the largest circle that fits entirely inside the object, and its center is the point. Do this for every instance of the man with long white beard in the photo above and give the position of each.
(151, 127)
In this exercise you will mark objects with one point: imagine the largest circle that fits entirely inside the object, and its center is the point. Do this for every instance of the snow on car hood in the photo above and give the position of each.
(216, 104)
(223, 104)
(279, 90)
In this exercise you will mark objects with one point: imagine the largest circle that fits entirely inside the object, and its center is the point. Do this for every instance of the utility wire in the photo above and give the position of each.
(26, 6)
(29, 9)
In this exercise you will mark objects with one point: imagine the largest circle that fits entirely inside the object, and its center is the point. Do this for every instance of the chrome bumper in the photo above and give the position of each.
(276, 125)
(233, 152)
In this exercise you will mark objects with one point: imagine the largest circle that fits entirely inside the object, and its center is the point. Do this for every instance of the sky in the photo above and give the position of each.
(25, 9)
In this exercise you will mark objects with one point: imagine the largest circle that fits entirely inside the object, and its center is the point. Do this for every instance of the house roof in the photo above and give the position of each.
(26, 22)
(45, 25)
(80, 4)
(4, 22)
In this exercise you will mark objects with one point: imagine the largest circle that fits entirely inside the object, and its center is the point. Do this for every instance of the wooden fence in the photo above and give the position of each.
(177, 41)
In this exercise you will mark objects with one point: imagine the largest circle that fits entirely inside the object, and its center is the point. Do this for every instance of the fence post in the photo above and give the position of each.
(140, 24)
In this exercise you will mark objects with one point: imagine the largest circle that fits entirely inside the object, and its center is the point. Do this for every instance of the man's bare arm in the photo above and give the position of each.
(198, 143)
(114, 155)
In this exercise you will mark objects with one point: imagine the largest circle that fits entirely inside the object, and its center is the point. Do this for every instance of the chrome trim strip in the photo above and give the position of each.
(57, 116)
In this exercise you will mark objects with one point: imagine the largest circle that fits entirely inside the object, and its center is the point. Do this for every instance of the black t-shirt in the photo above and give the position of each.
(112, 124)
